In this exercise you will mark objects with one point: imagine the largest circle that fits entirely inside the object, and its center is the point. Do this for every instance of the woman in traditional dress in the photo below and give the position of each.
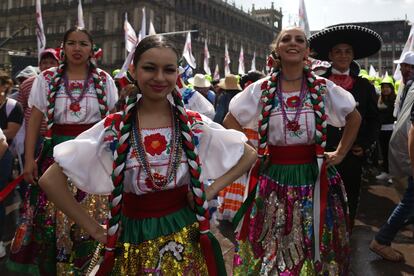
(73, 96)
(295, 220)
(147, 158)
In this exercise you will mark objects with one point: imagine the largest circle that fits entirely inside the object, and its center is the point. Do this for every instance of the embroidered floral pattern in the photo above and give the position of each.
(293, 101)
(155, 144)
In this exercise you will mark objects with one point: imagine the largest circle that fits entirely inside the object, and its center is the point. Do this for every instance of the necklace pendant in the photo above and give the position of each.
(75, 107)
(293, 126)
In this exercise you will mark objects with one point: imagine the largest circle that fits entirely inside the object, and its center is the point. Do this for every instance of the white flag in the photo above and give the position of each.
(409, 46)
(372, 72)
(226, 60)
(241, 70)
(216, 73)
(130, 35)
(40, 34)
(143, 32)
(303, 18)
(253, 68)
(81, 23)
(187, 54)
(151, 30)
(126, 64)
(206, 57)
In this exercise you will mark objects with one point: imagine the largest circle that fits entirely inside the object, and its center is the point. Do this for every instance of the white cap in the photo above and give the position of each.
(407, 58)
(199, 80)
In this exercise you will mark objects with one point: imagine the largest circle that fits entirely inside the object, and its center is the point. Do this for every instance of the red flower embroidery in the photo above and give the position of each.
(155, 144)
(149, 183)
(293, 101)
(75, 107)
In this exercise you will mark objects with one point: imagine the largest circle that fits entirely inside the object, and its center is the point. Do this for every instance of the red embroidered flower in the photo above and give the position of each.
(149, 183)
(155, 144)
(293, 101)
(75, 107)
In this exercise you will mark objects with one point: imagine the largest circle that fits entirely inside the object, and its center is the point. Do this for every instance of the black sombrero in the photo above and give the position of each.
(365, 42)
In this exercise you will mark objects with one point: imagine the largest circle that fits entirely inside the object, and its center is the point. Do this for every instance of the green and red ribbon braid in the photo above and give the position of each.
(118, 173)
(54, 87)
(267, 99)
(209, 244)
(100, 91)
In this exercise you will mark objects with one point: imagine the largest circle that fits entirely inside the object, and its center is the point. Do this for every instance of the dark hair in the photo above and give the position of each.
(250, 77)
(77, 29)
(5, 78)
(388, 99)
(154, 41)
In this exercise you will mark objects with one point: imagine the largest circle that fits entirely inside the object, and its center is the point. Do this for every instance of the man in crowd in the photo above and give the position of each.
(401, 160)
(341, 45)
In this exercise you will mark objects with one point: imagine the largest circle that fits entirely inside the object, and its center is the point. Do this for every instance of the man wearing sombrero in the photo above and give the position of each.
(340, 45)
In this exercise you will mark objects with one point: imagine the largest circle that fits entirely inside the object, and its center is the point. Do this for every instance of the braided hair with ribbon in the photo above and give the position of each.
(209, 245)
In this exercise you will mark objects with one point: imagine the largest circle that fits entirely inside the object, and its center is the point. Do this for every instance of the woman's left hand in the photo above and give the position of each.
(333, 158)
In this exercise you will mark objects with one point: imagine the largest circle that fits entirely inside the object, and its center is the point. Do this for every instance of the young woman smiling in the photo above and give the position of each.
(154, 157)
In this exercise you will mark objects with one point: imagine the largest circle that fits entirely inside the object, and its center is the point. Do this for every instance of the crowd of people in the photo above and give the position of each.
(119, 173)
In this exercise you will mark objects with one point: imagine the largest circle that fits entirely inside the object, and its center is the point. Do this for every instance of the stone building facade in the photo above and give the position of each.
(394, 35)
(217, 21)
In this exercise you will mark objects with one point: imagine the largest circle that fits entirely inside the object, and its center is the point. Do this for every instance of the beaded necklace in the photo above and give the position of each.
(292, 125)
(74, 103)
(159, 182)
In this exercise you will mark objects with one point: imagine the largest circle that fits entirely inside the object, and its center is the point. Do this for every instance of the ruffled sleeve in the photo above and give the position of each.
(245, 106)
(339, 103)
(87, 160)
(219, 149)
(38, 93)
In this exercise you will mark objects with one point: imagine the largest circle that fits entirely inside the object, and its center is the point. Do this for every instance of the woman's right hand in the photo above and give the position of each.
(100, 234)
(30, 171)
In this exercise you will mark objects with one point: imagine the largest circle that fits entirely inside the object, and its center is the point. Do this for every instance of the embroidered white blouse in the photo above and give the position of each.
(89, 106)
(246, 107)
(87, 160)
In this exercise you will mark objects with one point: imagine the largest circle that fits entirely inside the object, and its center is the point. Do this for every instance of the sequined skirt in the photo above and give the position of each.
(280, 237)
(46, 241)
(178, 253)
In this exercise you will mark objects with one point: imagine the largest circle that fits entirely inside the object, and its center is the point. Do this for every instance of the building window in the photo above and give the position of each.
(399, 35)
(386, 35)
(389, 47)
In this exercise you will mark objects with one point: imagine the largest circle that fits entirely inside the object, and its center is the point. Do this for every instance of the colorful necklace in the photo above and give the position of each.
(74, 103)
(292, 125)
(159, 182)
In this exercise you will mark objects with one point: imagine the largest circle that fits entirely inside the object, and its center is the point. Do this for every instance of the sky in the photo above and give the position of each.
(323, 13)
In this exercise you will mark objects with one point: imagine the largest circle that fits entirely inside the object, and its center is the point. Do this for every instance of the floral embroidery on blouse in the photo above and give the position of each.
(293, 102)
(155, 144)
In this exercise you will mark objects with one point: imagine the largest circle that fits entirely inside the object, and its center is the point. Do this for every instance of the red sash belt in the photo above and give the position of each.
(70, 130)
(154, 205)
(292, 155)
